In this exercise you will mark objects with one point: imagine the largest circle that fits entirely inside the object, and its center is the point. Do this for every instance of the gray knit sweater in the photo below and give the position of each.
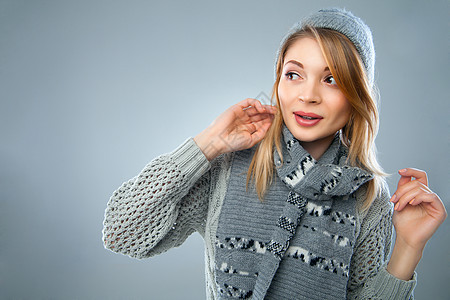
(181, 192)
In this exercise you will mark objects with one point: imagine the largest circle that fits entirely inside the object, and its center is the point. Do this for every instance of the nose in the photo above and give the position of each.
(309, 92)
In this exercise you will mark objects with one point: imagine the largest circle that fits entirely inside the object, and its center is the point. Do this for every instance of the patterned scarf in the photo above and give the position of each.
(298, 242)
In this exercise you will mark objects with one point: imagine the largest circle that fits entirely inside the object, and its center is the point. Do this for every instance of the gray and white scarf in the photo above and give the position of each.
(298, 242)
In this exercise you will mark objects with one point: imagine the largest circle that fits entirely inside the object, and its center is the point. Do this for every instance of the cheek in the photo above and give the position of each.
(344, 110)
(284, 94)
(284, 90)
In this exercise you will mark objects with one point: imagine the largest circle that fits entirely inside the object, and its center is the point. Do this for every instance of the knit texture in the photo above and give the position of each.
(136, 219)
(300, 238)
(345, 22)
(193, 193)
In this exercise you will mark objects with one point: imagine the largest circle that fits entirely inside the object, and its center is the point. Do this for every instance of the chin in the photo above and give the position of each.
(302, 137)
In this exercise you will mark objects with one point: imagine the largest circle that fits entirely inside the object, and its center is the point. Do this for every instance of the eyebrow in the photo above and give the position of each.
(301, 65)
(295, 63)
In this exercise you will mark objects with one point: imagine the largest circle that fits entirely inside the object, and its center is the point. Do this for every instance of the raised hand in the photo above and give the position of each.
(239, 127)
(418, 212)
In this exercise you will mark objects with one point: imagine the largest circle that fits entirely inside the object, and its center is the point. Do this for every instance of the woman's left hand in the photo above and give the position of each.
(418, 211)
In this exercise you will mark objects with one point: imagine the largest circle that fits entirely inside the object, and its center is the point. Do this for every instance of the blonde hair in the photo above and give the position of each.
(358, 134)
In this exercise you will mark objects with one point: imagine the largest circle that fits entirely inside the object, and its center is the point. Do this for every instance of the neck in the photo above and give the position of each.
(317, 148)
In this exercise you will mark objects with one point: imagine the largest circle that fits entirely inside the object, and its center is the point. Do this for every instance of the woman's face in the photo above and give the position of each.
(313, 106)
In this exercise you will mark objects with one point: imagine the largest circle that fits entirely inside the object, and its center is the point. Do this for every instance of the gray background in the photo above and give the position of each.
(93, 90)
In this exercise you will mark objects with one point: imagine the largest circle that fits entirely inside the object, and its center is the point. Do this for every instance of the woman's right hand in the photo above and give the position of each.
(239, 127)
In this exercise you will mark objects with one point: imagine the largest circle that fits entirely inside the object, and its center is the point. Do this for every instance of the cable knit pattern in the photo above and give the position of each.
(181, 192)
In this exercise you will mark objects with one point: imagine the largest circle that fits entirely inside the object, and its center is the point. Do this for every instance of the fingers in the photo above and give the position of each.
(252, 107)
(411, 194)
(258, 123)
(430, 202)
(261, 129)
(251, 111)
(413, 190)
(408, 173)
(261, 117)
(242, 124)
(406, 191)
(406, 183)
(403, 180)
(411, 183)
(428, 197)
(250, 102)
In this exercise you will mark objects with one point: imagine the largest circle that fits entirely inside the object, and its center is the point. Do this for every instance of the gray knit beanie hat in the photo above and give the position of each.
(349, 25)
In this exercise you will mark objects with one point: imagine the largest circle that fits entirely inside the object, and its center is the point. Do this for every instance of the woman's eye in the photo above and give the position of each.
(292, 76)
(330, 80)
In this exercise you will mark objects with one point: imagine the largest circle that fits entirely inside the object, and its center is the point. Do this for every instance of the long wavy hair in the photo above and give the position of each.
(358, 134)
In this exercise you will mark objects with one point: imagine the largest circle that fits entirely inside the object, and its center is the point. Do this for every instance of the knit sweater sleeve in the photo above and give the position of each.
(369, 278)
(162, 206)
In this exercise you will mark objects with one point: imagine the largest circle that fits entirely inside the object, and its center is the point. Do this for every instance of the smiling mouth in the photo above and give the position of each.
(307, 119)
(307, 116)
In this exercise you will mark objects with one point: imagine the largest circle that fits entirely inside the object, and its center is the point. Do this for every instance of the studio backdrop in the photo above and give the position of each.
(91, 91)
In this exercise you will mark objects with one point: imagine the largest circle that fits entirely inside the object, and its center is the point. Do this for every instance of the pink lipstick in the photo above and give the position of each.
(307, 119)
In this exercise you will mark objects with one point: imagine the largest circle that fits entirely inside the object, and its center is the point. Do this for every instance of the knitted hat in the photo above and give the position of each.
(349, 25)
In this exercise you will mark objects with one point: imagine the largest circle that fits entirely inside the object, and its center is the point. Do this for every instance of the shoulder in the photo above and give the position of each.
(381, 200)
(381, 205)
(245, 155)
(220, 170)
(380, 208)
(222, 161)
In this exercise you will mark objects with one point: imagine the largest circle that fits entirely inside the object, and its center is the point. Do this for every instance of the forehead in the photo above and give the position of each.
(307, 51)
(303, 47)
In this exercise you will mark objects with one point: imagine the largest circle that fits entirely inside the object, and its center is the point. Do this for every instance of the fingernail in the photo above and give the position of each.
(411, 202)
(402, 170)
(393, 198)
(396, 206)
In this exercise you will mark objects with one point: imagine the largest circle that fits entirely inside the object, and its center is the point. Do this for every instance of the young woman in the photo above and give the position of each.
(290, 199)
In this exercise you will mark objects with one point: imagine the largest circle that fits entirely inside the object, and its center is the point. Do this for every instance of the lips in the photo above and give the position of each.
(307, 119)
